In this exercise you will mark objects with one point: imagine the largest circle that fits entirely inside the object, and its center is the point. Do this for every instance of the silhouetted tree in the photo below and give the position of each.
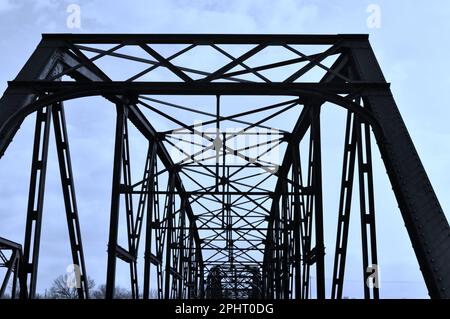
(61, 290)
(119, 293)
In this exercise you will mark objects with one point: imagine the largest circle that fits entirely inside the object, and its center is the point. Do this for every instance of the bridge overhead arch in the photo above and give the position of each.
(226, 213)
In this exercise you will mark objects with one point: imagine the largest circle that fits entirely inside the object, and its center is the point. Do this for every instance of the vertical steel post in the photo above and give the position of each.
(16, 274)
(307, 223)
(149, 219)
(367, 209)
(36, 201)
(190, 266)
(122, 113)
(318, 205)
(217, 146)
(348, 168)
(297, 231)
(131, 235)
(70, 202)
(285, 239)
(181, 247)
(277, 245)
(169, 231)
(201, 274)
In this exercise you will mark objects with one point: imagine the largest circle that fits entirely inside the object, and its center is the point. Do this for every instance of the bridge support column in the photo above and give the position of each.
(115, 200)
(36, 201)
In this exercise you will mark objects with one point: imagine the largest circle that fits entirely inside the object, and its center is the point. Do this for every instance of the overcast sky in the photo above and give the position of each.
(411, 45)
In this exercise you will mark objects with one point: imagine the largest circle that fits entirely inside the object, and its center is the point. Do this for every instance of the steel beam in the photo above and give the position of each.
(70, 202)
(206, 39)
(367, 212)
(151, 158)
(13, 264)
(424, 219)
(72, 89)
(36, 201)
(318, 206)
(168, 247)
(345, 201)
(129, 213)
(122, 114)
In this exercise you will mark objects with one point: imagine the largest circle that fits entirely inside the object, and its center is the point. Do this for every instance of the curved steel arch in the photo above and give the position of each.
(58, 60)
(72, 91)
(354, 81)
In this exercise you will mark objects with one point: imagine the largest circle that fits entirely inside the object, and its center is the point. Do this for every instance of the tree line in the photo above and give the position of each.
(61, 290)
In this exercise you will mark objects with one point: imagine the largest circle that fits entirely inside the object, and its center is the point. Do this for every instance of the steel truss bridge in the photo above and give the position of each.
(217, 221)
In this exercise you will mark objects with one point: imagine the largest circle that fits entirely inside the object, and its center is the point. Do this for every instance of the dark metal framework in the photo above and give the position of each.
(210, 226)
(10, 258)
